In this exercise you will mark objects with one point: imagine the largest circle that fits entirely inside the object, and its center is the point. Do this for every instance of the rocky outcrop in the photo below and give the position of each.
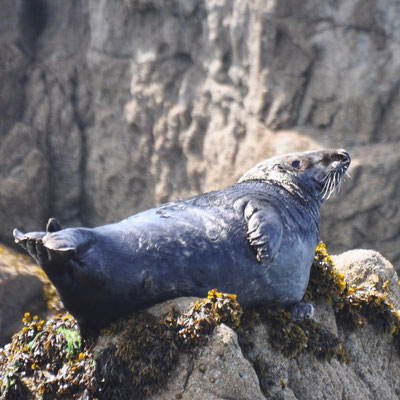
(110, 107)
(143, 357)
(374, 361)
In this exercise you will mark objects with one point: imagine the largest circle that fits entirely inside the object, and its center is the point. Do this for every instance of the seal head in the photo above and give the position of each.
(319, 171)
(256, 239)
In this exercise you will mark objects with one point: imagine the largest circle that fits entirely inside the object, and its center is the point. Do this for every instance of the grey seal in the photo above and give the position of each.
(256, 239)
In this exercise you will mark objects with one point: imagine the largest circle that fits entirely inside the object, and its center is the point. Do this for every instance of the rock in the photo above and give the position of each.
(21, 291)
(368, 270)
(108, 108)
(249, 364)
(373, 366)
(218, 371)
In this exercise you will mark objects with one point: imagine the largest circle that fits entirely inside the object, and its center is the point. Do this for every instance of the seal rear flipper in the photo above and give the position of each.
(264, 230)
(43, 248)
(28, 241)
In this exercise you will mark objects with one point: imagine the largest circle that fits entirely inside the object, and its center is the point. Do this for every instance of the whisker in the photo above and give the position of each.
(333, 182)
(347, 176)
(331, 187)
(323, 191)
(326, 176)
(327, 190)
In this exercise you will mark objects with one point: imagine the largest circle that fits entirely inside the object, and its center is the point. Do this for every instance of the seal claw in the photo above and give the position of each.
(19, 237)
(53, 225)
(302, 311)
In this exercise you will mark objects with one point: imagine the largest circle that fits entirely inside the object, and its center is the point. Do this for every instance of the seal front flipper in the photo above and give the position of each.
(264, 230)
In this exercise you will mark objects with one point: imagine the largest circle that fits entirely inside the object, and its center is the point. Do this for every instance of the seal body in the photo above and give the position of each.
(256, 239)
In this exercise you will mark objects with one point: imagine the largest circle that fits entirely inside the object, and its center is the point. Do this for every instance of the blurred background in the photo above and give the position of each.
(109, 107)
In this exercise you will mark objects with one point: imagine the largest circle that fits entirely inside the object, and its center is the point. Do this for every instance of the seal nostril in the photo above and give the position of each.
(342, 156)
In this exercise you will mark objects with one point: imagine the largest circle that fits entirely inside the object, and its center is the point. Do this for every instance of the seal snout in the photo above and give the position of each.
(338, 159)
(344, 157)
(337, 163)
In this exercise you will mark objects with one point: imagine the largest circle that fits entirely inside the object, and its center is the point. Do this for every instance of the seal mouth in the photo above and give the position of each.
(333, 180)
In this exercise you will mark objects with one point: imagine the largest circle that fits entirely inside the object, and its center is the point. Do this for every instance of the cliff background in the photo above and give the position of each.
(111, 107)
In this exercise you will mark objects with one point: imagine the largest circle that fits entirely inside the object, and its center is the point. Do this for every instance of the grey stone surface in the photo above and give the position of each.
(110, 107)
(371, 374)
(219, 371)
(367, 271)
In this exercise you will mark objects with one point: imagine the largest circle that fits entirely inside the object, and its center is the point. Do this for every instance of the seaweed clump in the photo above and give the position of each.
(368, 303)
(142, 353)
(133, 357)
(353, 305)
(325, 282)
(293, 337)
(47, 358)
(202, 317)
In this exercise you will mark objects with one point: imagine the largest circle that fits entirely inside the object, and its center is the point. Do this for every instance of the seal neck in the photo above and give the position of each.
(300, 191)
(305, 199)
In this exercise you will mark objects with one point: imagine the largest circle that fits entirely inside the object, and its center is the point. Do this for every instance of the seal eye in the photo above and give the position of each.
(296, 164)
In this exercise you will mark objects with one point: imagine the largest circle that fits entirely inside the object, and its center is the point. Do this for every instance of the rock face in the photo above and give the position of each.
(110, 107)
